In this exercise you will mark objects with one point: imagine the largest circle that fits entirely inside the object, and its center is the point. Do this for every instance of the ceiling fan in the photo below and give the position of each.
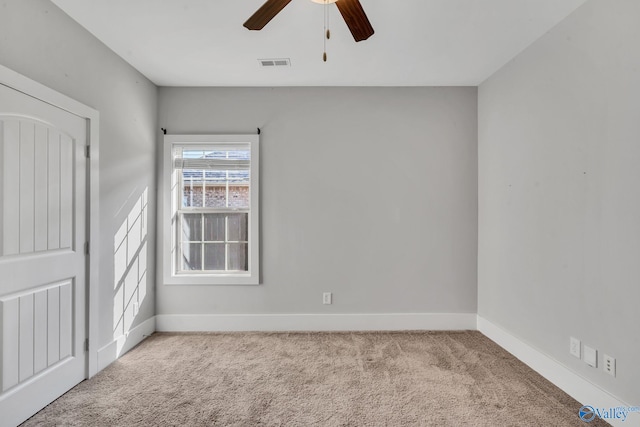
(351, 11)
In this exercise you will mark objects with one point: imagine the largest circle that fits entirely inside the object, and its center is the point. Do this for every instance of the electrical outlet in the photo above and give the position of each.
(326, 298)
(574, 347)
(609, 365)
(136, 308)
(590, 356)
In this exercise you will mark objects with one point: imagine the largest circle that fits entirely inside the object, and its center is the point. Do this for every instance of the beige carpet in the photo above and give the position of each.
(315, 379)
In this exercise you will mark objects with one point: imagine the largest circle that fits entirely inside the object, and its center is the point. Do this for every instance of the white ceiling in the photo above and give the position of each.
(417, 42)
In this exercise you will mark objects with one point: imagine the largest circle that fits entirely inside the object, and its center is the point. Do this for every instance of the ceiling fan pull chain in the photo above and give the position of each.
(326, 31)
(328, 14)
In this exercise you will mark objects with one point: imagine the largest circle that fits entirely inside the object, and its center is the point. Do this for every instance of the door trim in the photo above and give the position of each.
(36, 90)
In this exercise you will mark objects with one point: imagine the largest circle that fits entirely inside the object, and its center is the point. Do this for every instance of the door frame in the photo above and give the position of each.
(36, 90)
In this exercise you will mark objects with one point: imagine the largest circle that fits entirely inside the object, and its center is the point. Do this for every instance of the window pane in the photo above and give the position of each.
(238, 196)
(192, 188)
(192, 154)
(215, 175)
(237, 227)
(191, 227)
(239, 154)
(216, 195)
(214, 227)
(215, 154)
(238, 176)
(192, 256)
(238, 256)
(214, 256)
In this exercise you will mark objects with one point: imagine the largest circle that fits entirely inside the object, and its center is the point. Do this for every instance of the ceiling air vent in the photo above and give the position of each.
(280, 62)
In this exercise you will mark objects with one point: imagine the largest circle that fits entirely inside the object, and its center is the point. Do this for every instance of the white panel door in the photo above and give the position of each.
(42, 261)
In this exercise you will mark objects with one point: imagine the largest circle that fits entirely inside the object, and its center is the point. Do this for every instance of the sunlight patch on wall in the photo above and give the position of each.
(130, 267)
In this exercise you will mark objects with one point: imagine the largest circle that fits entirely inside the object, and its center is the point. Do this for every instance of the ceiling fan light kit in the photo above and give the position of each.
(351, 11)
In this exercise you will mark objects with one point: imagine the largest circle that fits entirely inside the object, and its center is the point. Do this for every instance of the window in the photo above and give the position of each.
(211, 195)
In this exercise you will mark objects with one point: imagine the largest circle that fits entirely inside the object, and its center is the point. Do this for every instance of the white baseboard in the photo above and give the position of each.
(568, 381)
(107, 355)
(315, 322)
(116, 348)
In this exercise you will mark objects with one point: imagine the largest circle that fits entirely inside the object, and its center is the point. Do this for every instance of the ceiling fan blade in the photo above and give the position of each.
(356, 19)
(265, 14)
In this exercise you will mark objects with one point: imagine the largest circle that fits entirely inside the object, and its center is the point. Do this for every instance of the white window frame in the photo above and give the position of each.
(169, 208)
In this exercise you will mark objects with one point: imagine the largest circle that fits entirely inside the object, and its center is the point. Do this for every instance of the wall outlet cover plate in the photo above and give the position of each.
(326, 298)
(609, 365)
(590, 356)
(574, 347)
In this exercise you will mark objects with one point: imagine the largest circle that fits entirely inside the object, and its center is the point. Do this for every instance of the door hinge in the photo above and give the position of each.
(87, 152)
(86, 344)
(86, 248)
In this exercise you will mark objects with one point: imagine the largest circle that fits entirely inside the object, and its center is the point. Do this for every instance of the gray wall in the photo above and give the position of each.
(41, 42)
(369, 193)
(559, 211)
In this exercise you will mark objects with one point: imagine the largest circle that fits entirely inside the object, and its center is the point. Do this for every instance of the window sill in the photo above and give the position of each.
(212, 280)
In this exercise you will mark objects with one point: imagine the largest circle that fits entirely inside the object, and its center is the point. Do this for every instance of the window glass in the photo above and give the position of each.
(214, 227)
(192, 256)
(237, 256)
(237, 227)
(214, 256)
(191, 228)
